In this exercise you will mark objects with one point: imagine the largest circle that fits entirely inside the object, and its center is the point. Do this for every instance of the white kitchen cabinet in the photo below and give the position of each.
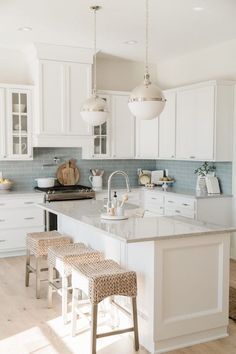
(147, 139)
(122, 128)
(115, 138)
(27, 218)
(204, 121)
(15, 122)
(167, 123)
(62, 87)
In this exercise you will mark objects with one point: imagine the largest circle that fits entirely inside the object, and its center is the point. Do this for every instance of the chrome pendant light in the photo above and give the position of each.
(146, 100)
(94, 110)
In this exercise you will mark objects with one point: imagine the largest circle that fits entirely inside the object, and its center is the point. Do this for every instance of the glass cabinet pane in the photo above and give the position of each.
(97, 145)
(103, 145)
(104, 129)
(24, 145)
(96, 130)
(16, 123)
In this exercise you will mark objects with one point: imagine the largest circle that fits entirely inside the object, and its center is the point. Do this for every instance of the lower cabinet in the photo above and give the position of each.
(18, 216)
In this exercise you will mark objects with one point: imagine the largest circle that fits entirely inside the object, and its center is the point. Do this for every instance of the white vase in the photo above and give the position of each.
(201, 185)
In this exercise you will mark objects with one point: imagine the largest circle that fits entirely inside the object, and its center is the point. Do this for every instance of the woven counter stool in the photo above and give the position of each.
(62, 258)
(37, 244)
(99, 281)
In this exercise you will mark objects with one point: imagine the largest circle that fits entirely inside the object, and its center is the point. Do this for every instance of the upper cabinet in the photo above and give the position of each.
(147, 139)
(204, 121)
(122, 128)
(15, 122)
(167, 125)
(113, 139)
(63, 81)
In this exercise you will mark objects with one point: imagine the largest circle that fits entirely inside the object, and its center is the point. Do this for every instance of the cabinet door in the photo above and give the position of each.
(2, 124)
(52, 93)
(78, 90)
(147, 138)
(122, 128)
(19, 118)
(195, 123)
(167, 127)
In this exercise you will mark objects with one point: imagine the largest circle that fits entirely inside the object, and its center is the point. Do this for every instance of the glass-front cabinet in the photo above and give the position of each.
(100, 140)
(19, 134)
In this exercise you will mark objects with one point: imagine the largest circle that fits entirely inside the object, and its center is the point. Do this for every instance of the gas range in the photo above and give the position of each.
(62, 193)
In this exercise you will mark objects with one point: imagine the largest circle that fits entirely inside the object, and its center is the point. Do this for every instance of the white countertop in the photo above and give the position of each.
(134, 229)
(171, 191)
(19, 193)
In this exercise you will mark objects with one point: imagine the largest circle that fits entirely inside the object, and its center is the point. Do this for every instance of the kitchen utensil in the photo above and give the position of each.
(5, 184)
(19, 108)
(212, 185)
(156, 176)
(96, 182)
(68, 173)
(46, 182)
(144, 177)
(124, 199)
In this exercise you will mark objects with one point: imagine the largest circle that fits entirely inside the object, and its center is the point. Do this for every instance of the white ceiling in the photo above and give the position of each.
(174, 27)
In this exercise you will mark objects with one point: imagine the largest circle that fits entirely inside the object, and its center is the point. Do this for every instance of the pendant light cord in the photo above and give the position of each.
(147, 81)
(95, 54)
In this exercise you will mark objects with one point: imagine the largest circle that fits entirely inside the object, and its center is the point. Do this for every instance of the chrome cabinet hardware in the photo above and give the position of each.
(154, 198)
(177, 211)
(2, 204)
(170, 201)
(28, 202)
(29, 218)
(192, 157)
(185, 204)
(2, 220)
(2, 240)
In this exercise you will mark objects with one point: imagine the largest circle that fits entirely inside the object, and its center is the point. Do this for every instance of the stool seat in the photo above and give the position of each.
(38, 242)
(105, 278)
(62, 258)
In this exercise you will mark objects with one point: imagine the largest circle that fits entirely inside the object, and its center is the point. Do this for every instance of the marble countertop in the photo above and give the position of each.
(171, 191)
(19, 193)
(135, 228)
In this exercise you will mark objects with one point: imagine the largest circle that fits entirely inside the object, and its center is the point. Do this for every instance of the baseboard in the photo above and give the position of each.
(6, 254)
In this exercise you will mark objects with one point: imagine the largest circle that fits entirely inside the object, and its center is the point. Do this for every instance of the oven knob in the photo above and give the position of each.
(53, 192)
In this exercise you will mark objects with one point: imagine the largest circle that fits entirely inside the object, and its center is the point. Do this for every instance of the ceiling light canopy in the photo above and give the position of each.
(146, 100)
(131, 42)
(94, 110)
(198, 8)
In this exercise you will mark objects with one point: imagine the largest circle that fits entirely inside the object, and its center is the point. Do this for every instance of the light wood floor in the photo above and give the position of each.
(28, 327)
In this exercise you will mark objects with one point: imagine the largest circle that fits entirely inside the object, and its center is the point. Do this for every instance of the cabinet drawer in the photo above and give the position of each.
(154, 198)
(15, 239)
(180, 211)
(25, 217)
(183, 203)
(20, 202)
(155, 208)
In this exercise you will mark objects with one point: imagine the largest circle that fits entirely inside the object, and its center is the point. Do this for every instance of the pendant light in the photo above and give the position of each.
(146, 100)
(94, 110)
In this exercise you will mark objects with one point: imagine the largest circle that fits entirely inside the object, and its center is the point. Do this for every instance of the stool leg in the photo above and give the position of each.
(75, 295)
(37, 277)
(135, 321)
(27, 271)
(50, 280)
(94, 328)
(64, 298)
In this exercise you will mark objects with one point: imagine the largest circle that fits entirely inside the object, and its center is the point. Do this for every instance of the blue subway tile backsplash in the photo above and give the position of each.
(23, 173)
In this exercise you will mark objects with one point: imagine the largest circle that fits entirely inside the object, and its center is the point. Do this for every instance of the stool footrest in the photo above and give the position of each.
(113, 333)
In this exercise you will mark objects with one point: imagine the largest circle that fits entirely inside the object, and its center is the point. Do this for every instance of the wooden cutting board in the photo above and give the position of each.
(68, 173)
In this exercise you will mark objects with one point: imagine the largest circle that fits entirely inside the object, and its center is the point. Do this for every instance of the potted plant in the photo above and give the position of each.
(202, 171)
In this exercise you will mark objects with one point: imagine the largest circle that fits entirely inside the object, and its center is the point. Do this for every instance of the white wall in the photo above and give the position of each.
(217, 62)
(120, 74)
(14, 67)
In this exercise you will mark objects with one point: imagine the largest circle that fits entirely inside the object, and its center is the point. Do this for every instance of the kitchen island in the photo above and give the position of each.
(182, 267)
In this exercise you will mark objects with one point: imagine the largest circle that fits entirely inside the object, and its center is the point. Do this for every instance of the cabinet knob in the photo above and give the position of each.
(172, 156)
(192, 157)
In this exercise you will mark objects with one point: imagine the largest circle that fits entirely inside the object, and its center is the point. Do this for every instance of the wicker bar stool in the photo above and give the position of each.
(62, 258)
(99, 281)
(37, 244)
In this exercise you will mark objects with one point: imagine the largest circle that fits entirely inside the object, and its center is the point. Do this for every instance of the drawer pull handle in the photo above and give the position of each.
(2, 240)
(28, 202)
(177, 211)
(29, 218)
(2, 220)
(170, 201)
(185, 204)
(154, 198)
(161, 208)
(2, 204)
(192, 157)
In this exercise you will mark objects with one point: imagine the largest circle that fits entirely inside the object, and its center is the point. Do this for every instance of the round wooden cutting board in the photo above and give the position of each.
(68, 173)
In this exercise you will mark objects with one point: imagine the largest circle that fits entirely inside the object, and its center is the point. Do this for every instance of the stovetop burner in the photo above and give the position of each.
(60, 188)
